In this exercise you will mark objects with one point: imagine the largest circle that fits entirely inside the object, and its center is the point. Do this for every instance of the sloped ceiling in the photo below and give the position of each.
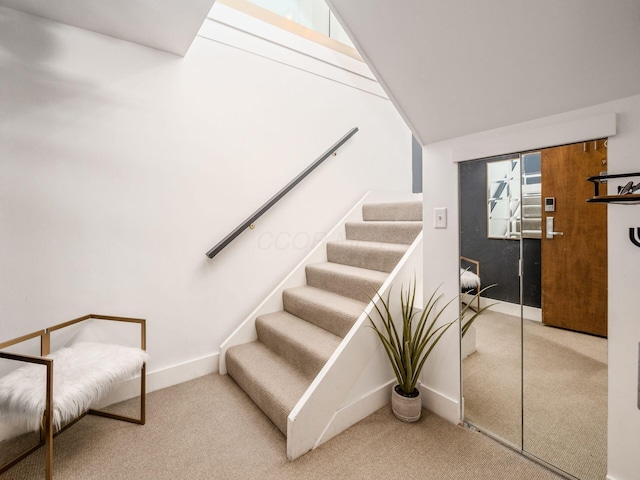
(169, 25)
(457, 67)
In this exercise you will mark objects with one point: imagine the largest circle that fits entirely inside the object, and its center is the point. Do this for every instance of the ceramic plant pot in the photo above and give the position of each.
(407, 409)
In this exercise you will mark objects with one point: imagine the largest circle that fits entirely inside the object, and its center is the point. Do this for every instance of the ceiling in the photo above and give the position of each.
(456, 68)
(169, 25)
(451, 68)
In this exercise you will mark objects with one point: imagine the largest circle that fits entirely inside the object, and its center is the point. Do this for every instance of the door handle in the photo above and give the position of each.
(549, 229)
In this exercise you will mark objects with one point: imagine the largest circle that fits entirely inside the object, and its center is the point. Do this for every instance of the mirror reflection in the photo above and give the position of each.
(503, 198)
(514, 197)
(565, 355)
(492, 346)
(535, 363)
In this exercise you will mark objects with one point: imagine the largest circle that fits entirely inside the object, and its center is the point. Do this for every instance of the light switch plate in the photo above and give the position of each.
(440, 217)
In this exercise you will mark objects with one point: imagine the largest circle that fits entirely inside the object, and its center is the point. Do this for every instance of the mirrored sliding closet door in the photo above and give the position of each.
(534, 363)
(490, 254)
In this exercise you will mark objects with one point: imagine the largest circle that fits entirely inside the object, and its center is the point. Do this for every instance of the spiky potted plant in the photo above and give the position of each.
(408, 343)
(466, 323)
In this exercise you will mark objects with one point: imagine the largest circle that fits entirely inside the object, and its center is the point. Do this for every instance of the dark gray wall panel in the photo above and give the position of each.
(498, 258)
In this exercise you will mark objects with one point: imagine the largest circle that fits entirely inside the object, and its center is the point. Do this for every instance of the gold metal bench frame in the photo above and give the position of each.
(47, 430)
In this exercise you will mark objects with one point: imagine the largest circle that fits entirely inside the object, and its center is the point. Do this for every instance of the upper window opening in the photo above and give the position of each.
(311, 19)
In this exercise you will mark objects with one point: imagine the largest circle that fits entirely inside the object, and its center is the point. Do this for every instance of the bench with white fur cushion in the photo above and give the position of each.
(83, 374)
(51, 391)
(470, 281)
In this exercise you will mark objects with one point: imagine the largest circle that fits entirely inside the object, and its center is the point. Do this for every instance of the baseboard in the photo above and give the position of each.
(163, 378)
(468, 342)
(528, 313)
(9, 431)
(440, 404)
(155, 381)
(345, 417)
(351, 414)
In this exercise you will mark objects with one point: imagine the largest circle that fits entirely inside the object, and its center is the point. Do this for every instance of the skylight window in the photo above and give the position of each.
(312, 14)
(310, 19)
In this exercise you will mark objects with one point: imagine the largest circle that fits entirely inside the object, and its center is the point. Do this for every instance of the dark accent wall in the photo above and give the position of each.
(498, 257)
(531, 269)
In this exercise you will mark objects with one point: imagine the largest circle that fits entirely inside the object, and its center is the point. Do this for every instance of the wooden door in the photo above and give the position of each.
(574, 263)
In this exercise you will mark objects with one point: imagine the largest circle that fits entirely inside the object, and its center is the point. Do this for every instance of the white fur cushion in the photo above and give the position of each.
(82, 374)
(469, 280)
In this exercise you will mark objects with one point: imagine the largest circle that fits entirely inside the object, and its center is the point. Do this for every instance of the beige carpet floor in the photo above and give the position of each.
(209, 429)
(559, 413)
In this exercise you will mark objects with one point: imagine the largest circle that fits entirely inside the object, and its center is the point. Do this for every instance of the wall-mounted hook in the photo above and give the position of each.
(635, 236)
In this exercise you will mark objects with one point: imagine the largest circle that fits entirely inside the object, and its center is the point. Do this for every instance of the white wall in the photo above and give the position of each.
(120, 166)
(441, 252)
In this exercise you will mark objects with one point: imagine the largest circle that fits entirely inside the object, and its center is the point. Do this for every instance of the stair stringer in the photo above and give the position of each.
(356, 380)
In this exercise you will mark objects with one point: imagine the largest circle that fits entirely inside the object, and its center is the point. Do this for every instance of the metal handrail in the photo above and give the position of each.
(273, 200)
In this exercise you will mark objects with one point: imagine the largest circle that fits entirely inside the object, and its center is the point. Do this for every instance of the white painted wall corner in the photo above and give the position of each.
(440, 404)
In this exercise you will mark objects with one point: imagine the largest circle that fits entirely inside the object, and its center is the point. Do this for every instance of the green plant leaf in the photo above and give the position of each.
(409, 341)
(466, 324)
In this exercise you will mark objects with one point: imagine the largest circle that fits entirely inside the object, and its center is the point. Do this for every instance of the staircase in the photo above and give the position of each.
(531, 215)
(292, 345)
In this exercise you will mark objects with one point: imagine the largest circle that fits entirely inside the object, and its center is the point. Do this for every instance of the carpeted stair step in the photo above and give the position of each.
(353, 282)
(330, 311)
(271, 382)
(382, 257)
(534, 211)
(294, 344)
(411, 211)
(384, 231)
(531, 199)
(532, 224)
(301, 343)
